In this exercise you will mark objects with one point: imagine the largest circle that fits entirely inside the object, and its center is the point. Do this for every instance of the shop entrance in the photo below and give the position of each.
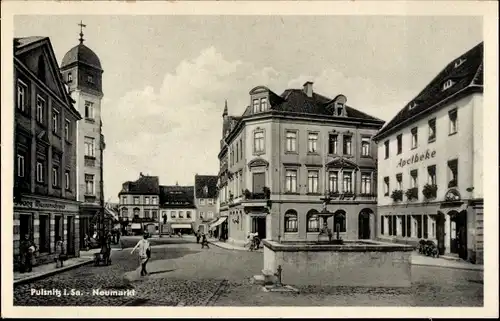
(458, 234)
(259, 226)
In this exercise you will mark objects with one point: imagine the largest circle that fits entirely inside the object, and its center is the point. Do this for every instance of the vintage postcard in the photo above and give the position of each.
(250, 159)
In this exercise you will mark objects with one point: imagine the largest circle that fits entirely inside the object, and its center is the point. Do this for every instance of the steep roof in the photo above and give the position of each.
(25, 41)
(175, 196)
(146, 185)
(205, 186)
(466, 71)
(82, 54)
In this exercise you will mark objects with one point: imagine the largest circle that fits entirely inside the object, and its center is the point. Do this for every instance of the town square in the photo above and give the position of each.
(248, 161)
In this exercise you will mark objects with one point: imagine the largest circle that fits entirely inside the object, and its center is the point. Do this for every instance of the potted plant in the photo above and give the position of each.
(397, 195)
(267, 192)
(412, 193)
(247, 194)
(429, 191)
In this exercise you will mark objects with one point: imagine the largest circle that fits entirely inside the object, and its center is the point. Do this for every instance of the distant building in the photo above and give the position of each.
(205, 198)
(430, 161)
(178, 210)
(285, 153)
(45, 122)
(82, 71)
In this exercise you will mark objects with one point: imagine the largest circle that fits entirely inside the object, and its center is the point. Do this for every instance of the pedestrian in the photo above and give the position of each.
(198, 236)
(60, 255)
(204, 241)
(27, 249)
(144, 253)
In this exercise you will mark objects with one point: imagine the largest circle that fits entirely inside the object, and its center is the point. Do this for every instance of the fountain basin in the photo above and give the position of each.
(363, 263)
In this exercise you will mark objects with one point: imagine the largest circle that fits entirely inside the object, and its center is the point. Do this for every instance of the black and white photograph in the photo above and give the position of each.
(250, 158)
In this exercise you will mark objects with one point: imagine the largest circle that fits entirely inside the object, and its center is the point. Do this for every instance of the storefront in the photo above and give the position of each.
(43, 220)
(219, 227)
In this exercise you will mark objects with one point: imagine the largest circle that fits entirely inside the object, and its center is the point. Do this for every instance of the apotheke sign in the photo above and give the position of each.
(40, 205)
(417, 158)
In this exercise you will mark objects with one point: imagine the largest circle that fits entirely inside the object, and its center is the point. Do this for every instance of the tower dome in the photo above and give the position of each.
(81, 54)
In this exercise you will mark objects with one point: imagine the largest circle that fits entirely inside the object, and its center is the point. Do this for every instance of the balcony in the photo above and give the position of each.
(256, 199)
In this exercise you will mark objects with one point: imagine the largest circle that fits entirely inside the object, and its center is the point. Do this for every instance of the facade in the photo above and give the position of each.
(178, 209)
(205, 198)
(45, 122)
(430, 164)
(285, 153)
(82, 72)
(139, 202)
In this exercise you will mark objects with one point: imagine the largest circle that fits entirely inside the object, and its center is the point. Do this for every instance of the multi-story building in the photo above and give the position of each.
(431, 163)
(45, 122)
(82, 72)
(287, 152)
(205, 199)
(139, 201)
(178, 210)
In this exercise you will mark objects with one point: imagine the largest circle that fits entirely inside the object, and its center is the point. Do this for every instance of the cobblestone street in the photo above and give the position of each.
(184, 274)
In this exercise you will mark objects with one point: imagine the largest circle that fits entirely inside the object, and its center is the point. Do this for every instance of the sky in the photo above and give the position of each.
(166, 78)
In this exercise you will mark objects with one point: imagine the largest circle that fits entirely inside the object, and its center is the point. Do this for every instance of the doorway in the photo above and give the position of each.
(440, 232)
(70, 234)
(25, 226)
(364, 225)
(259, 226)
(458, 234)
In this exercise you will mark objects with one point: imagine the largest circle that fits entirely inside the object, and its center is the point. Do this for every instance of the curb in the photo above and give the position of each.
(450, 267)
(233, 249)
(50, 273)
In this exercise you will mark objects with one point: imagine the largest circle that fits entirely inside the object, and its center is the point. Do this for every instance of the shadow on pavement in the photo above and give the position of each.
(162, 271)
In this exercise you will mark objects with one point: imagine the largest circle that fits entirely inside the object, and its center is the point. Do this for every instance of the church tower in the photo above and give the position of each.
(82, 72)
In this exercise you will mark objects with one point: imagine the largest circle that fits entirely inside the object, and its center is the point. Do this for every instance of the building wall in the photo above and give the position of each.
(126, 202)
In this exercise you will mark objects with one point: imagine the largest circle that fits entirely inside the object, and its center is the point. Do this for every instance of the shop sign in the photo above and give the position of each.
(37, 204)
(417, 158)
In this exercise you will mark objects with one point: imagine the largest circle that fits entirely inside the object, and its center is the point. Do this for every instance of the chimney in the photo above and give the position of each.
(308, 88)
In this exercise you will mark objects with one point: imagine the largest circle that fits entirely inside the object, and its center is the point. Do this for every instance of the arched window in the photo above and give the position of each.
(136, 211)
(312, 221)
(291, 222)
(339, 221)
(124, 212)
(41, 68)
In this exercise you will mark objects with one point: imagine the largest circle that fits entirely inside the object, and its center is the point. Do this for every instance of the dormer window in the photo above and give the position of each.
(70, 77)
(412, 105)
(263, 104)
(339, 109)
(459, 62)
(90, 79)
(255, 106)
(448, 84)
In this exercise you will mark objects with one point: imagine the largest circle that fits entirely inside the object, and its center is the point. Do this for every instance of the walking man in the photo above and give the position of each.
(204, 241)
(144, 253)
(60, 256)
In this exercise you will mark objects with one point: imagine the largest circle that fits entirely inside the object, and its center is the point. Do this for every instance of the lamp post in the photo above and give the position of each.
(101, 187)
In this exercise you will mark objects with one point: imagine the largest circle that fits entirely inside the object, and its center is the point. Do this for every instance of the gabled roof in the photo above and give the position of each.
(205, 186)
(466, 72)
(145, 185)
(175, 196)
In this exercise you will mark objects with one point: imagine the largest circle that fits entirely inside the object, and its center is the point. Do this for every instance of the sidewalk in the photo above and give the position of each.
(419, 259)
(229, 246)
(45, 270)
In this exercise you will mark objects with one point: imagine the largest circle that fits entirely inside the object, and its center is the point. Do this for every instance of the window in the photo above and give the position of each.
(414, 178)
(21, 95)
(255, 105)
(146, 200)
(89, 110)
(333, 182)
(312, 222)
(173, 214)
(210, 201)
(389, 221)
(146, 213)
(400, 143)
(408, 226)
(39, 172)
(67, 129)
(237, 152)
(452, 114)
(210, 214)
(188, 214)
(181, 214)
(414, 137)
(449, 83)
(40, 108)
(386, 146)
(202, 201)
(399, 181)
(136, 200)
(432, 130)
(312, 181)
(339, 108)
(137, 211)
(154, 200)
(55, 176)
(20, 165)
(426, 226)
(263, 104)
(70, 77)
(403, 225)
(201, 215)
(55, 121)
(459, 62)
(386, 186)
(241, 148)
(347, 145)
(124, 199)
(90, 79)
(366, 183)
(365, 146)
(431, 170)
(453, 173)
(382, 224)
(155, 215)
(339, 223)
(394, 225)
(258, 142)
(291, 225)
(332, 144)
(67, 182)
(418, 225)
(89, 184)
(44, 230)
(412, 105)
(291, 141)
(291, 181)
(347, 182)
(312, 142)
(259, 182)
(89, 146)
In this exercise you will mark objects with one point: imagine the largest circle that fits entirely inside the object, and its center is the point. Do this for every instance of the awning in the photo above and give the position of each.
(136, 226)
(181, 226)
(218, 222)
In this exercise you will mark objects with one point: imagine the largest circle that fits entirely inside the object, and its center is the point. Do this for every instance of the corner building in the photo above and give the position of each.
(45, 122)
(430, 161)
(285, 153)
